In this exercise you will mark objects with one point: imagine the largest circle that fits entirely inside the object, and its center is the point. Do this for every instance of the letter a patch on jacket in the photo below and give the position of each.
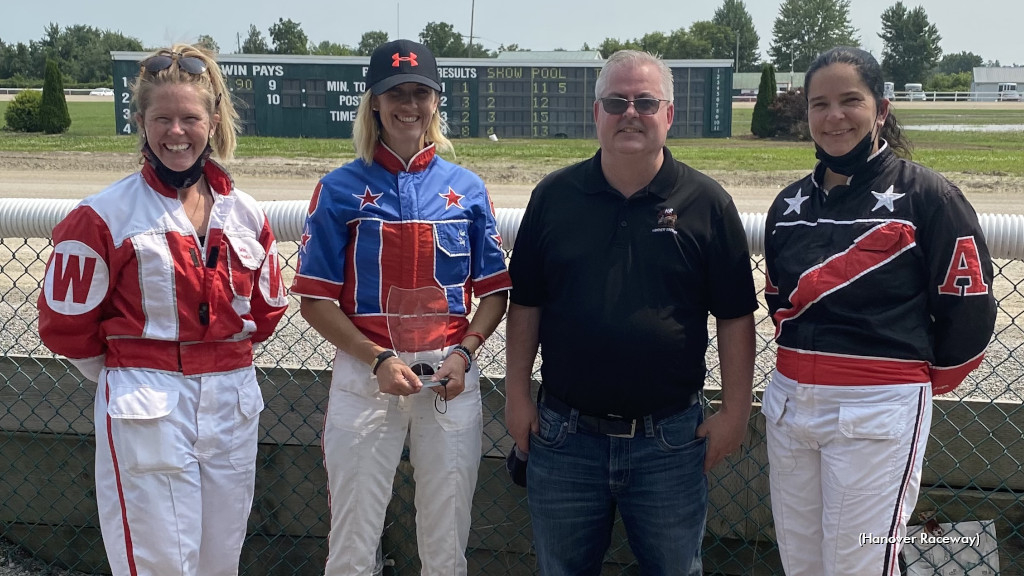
(963, 276)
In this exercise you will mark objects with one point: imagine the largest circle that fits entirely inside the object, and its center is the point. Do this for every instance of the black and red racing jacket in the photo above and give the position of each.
(884, 280)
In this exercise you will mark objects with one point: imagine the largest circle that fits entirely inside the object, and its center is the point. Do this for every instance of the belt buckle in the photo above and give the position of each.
(632, 431)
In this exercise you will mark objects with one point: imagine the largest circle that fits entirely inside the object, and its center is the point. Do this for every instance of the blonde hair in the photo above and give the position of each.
(366, 130)
(210, 85)
(635, 58)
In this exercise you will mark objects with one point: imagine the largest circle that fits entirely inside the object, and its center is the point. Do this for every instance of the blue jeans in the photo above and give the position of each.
(577, 479)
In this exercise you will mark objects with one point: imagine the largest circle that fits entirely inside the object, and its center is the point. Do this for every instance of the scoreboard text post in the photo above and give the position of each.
(318, 96)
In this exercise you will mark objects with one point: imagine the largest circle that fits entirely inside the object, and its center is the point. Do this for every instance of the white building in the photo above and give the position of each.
(747, 83)
(527, 56)
(987, 81)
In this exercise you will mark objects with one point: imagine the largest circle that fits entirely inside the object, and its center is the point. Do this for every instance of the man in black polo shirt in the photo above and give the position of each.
(617, 264)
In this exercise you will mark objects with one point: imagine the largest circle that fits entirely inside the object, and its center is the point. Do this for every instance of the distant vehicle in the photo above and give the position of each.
(914, 91)
(888, 91)
(1008, 92)
(102, 92)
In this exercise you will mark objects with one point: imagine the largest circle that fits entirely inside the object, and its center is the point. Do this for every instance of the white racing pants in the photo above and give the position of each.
(845, 473)
(175, 469)
(364, 435)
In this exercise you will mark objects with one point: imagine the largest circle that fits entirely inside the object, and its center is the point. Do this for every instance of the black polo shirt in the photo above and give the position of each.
(626, 285)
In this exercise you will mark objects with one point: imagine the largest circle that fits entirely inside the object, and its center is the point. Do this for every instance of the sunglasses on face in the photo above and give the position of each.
(190, 64)
(643, 106)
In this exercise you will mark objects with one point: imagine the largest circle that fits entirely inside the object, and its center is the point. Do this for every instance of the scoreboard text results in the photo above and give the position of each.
(320, 99)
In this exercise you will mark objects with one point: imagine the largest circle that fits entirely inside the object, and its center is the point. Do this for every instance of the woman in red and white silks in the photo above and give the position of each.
(156, 290)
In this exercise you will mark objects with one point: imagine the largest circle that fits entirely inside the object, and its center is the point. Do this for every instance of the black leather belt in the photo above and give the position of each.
(610, 425)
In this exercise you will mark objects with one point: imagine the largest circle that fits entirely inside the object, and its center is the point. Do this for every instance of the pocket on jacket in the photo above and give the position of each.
(881, 243)
(245, 256)
(451, 265)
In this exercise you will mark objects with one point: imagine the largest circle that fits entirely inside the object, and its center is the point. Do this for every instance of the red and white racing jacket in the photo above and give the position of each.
(885, 280)
(130, 285)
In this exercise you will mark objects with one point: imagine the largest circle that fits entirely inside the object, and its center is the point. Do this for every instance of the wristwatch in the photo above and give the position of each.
(380, 358)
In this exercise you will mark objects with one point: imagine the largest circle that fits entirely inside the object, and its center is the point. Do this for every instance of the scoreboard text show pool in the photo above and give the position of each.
(317, 96)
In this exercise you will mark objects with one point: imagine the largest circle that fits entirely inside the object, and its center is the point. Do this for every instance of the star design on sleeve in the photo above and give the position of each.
(367, 198)
(452, 198)
(795, 202)
(886, 199)
(497, 239)
(306, 236)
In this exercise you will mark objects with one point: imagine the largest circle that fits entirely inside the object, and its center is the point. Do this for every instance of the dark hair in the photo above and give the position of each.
(871, 73)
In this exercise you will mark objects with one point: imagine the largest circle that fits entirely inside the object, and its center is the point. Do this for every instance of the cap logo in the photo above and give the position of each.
(396, 59)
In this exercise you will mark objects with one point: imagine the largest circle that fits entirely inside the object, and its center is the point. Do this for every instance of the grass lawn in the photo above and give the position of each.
(92, 130)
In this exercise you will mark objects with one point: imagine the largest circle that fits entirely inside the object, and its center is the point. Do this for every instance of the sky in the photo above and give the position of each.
(990, 28)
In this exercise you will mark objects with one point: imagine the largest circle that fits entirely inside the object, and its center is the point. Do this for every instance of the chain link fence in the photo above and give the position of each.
(972, 467)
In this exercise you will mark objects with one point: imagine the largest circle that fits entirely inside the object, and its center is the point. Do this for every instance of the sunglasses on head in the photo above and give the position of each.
(190, 64)
(643, 106)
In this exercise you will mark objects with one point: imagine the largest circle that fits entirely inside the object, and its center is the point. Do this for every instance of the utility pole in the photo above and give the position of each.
(472, 16)
(737, 66)
(792, 57)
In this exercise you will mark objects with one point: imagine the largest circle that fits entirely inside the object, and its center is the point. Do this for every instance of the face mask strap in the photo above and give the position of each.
(178, 180)
(444, 399)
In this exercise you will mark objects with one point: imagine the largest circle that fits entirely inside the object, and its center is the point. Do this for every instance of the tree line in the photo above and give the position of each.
(803, 28)
(82, 54)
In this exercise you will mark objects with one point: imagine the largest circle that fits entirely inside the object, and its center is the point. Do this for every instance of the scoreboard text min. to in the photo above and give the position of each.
(319, 96)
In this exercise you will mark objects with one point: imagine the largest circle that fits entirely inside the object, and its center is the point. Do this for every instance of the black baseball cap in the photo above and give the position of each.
(401, 61)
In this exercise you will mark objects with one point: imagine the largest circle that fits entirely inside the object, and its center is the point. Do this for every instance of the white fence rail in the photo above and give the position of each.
(67, 91)
(35, 218)
(751, 97)
(930, 96)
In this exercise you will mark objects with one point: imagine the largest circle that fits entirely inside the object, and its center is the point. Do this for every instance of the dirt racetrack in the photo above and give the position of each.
(78, 174)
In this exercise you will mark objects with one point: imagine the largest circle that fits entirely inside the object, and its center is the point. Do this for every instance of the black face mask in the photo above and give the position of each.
(173, 178)
(848, 164)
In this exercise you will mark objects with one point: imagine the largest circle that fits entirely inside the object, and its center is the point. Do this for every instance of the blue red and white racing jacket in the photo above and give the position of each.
(372, 228)
(885, 280)
(130, 285)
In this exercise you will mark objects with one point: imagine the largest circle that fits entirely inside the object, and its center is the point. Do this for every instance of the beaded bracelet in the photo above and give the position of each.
(464, 353)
